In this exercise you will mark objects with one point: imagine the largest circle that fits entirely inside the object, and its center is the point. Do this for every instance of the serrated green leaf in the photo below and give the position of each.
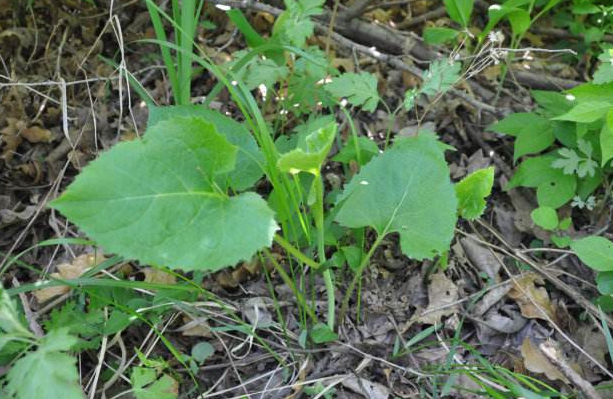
(249, 159)
(586, 112)
(310, 155)
(368, 149)
(10, 322)
(360, 89)
(47, 372)
(545, 217)
(294, 25)
(155, 200)
(459, 10)
(436, 35)
(440, 77)
(405, 190)
(595, 251)
(265, 72)
(472, 191)
(147, 385)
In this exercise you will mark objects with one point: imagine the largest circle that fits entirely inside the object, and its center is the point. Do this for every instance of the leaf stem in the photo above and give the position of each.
(295, 252)
(356, 278)
(321, 250)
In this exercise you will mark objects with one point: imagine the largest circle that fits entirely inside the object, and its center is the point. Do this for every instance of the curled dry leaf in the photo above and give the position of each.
(442, 293)
(36, 134)
(69, 271)
(536, 362)
(533, 301)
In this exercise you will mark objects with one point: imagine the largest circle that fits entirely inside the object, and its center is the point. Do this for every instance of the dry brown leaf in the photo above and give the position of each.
(442, 292)
(195, 328)
(532, 300)
(158, 276)
(11, 137)
(68, 271)
(536, 362)
(36, 134)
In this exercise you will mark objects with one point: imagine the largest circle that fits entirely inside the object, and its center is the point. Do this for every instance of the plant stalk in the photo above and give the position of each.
(321, 250)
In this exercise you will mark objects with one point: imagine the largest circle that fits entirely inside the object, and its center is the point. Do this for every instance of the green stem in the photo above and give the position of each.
(356, 278)
(290, 283)
(296, 252)
(319, 224)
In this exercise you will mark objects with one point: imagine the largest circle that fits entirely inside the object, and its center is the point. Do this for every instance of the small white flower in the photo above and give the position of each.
(492, 153)
(263, 57)
(364, 183)
(570, 97)
(283, 112)
(344, 102)
(223, 7)
(296, 105)
(495, 7)
(263, 90)
(234, 83)
(599, 20)
(319, 103)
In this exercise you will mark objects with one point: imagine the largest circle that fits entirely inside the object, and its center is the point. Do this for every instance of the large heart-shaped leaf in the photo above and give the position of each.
(157, 200)
(249, 159)
(405, 190)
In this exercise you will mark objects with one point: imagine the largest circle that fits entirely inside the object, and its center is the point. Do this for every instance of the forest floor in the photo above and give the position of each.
(62, 103)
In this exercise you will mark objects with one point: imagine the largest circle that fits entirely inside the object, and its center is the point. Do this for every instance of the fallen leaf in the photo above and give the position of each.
(68, 271)
(368, 389)
(532, 300)
(36, 134)
(158, 276)
(198, 327)
(441, 293)
(536, 362)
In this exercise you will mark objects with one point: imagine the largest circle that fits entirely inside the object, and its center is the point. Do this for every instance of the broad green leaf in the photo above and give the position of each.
(596, 252)
(47, 372)
(553, 102)
(604, 73)
(520, 21)
(590, 92)
(156, 200)
(545, 217)
(586, 112)
(310, 156)
(472, 191)
(405, 190)
(553, 187)
(147, 385)
(533, 138)
(515, 123)
(368, 149)
(604, 281)
(360, 89)
(436, 35)
(321, 333)
(202, 351)
(606, 140)
(459, 10)
(249, 159)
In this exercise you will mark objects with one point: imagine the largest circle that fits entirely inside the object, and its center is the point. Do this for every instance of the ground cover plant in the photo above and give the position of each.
(306, 198)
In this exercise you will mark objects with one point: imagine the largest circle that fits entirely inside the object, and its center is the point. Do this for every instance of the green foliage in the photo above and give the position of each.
(311, 154)
(545, 217)
(359, 89)
(367, 150)
(147, 385)
(438, 79)
(294, 24)
(459, 10)
(157, 199)
(596, 252)
(435, 35)
(202, 351)
(415, 179)
(472, 192)
(321, 333)
(48, 372)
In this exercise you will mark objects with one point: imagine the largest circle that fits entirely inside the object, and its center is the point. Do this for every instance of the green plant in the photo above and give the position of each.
(183, 195)
(569, 141)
